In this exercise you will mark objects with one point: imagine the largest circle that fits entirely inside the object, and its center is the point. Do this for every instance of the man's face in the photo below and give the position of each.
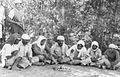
(17, 41)
(94, 47)
(43, 42)
(79, 46)
(60, 42)
(72, 51)
(18, 6)
(25, 42)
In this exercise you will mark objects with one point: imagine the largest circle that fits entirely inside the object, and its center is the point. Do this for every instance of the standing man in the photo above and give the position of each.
(15, 17)
(17, 13)
(2, 17)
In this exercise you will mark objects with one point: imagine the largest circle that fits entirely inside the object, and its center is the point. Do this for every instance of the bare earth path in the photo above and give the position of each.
(47, 71)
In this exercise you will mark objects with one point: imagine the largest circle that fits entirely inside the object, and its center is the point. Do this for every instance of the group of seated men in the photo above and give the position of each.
(18, 52)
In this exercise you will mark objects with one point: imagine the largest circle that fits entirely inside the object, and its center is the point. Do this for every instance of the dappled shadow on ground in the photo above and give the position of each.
(47, 71)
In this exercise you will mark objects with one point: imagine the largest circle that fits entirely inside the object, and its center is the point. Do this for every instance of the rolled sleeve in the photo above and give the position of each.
(6, 50)
(11, 14)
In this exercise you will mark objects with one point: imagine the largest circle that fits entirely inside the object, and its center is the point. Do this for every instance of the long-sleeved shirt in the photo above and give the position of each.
(6, 50)
(24, 50)
(58, 51)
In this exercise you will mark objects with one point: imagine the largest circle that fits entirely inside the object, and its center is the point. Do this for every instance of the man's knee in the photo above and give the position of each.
(74, 62)
(118, 64)
(100, 62)
(65, 60)
(107, 63)
(41, 57)
(35, 59)
(86, 61)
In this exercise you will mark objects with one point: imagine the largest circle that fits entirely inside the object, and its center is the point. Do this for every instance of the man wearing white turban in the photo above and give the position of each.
(25, 52)
(59, 50)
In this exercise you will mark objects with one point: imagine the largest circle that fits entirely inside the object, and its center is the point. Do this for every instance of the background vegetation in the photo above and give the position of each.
(75, 19)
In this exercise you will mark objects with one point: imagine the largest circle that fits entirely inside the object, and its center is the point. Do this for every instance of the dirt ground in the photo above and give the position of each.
(47, 71)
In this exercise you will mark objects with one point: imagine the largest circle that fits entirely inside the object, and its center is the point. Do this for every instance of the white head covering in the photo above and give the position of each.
(83, 49)
(26, 37)
(60, 38)
(113, 46)
(95, 43)
(39, 40)
(18, 1)
(80, 42)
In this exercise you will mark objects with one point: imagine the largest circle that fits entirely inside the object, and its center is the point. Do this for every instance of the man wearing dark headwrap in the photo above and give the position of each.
(8, 52)
(111, 57)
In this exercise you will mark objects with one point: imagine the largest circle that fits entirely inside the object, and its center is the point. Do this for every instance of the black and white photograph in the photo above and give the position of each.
(59, 38)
